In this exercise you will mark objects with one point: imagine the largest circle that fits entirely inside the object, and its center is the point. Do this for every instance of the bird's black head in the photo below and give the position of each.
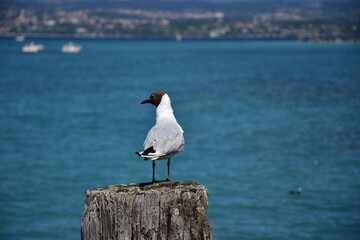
(155, 98)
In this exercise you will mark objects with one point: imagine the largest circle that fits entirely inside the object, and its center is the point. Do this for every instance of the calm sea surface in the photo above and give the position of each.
(260, 119)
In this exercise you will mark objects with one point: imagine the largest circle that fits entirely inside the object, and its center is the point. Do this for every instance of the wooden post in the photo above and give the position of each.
(164, 210)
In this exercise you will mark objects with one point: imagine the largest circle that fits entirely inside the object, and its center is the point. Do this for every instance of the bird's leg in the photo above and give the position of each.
(168, 165)
(153, 168)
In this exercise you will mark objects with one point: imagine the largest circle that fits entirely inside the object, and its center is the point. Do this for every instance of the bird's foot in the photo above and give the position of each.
(168, 179)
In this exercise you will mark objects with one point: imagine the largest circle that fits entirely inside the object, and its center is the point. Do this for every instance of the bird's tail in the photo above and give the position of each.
(140, 154)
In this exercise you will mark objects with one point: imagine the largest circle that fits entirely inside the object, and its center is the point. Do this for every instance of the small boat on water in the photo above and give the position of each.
(71, 48)
(178, 37)
(32, 48)
(20, 38)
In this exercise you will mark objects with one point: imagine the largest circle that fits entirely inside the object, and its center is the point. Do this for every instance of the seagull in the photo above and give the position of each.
(166, 138)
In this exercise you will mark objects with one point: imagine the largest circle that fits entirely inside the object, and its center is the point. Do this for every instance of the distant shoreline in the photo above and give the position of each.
(154, 38)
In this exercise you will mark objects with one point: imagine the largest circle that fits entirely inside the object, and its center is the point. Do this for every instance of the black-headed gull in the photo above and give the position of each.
(165, 139)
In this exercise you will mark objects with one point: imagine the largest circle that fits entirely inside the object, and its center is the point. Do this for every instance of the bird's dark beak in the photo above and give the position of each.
(146, 101)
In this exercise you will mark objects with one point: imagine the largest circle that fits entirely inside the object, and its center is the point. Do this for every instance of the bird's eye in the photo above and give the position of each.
(152, 97)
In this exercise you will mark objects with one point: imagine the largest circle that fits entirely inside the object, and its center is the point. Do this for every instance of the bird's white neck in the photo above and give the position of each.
(164, 111)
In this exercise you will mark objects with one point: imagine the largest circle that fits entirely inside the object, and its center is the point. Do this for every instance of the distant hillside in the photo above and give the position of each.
(245, 10)
(165, 18)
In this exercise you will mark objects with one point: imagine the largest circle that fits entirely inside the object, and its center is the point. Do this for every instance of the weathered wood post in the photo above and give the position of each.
(164, 210)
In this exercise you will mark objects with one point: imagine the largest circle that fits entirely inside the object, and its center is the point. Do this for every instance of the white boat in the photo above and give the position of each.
(20, 38)
(71, 48)
(32, 48)
(178, 37)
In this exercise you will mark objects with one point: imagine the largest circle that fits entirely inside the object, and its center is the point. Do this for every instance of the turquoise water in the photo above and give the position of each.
(260, 119)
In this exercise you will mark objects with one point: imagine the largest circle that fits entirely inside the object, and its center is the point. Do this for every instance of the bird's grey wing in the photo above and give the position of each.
(165, 138)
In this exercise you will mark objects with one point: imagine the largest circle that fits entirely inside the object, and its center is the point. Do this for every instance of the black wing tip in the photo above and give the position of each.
(138, 153)
(149, 150)
(146, 152)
